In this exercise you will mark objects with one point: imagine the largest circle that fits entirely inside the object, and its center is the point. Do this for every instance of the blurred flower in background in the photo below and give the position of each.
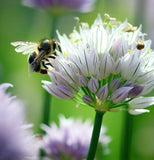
(16, 139)
(149, 16)
(77, 5)
(71, 139)
(1, 71)
(107, 65)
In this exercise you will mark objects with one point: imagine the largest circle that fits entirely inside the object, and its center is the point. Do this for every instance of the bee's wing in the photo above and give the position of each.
(30, 70)
(24, 47)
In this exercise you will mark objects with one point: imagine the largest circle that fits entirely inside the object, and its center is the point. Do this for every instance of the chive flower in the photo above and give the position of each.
(109, 66)
(76, 5)
(16, 139)
(67, 141)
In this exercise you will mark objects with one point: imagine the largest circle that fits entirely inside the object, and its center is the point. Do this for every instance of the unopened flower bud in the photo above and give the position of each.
(64, 92)
(87, 99)
(83, 81)
(93, 85)
(115, 84)
(135, 91)
(103, 92)
(120, 94)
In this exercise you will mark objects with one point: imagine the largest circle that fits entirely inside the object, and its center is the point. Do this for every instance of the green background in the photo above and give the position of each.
(22, 23)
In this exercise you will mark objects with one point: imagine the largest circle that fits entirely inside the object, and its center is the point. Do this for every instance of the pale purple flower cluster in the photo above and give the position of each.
(107, 65)
(77, 5)
(16, 139)
(71, 139)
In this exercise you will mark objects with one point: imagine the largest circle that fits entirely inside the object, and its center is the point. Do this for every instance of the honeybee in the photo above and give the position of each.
(39, 53)
(139, 45)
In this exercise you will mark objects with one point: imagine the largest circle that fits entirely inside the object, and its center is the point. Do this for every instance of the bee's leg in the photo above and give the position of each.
(56, 46)
(49, 64)
(53, 57)
(46, 59)
(44, 65)
(43, 71)
(59, 48)
(54, 53)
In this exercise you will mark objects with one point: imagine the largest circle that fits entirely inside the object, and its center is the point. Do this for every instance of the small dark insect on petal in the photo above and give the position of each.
(140, 46)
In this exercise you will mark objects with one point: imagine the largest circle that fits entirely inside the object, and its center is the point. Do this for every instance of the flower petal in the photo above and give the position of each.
(60, 91)
(141, 102)
(138, 111)
(87, 99)
(103, 92)
(93, 85)
(131, 66)
(5, 86)
(115, 84)
(135, 91)
(120, 94)
(83, 81)
(106, 66)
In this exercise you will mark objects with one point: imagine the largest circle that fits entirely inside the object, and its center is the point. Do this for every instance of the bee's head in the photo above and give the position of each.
(45, 45)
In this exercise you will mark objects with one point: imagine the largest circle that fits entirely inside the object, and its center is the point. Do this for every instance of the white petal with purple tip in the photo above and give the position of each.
(141, 102)
(138, 111)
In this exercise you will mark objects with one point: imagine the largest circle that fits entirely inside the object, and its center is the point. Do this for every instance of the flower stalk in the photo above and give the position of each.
(47, 106)
(95, 135)
(48, 98)
(127, 136)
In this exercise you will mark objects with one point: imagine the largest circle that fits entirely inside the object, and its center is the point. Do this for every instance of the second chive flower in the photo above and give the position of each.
(71, 139)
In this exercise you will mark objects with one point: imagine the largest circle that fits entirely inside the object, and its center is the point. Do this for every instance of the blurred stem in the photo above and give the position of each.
(130, 119)
(126, 136)
(47, 97)
(95, 135)
(47, 106)
(54, 26)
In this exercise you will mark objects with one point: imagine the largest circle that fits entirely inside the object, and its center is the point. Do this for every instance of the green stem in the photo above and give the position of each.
(54, 26)
(95, 135)
(47, 106)
(47, 97)
(126, 136)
